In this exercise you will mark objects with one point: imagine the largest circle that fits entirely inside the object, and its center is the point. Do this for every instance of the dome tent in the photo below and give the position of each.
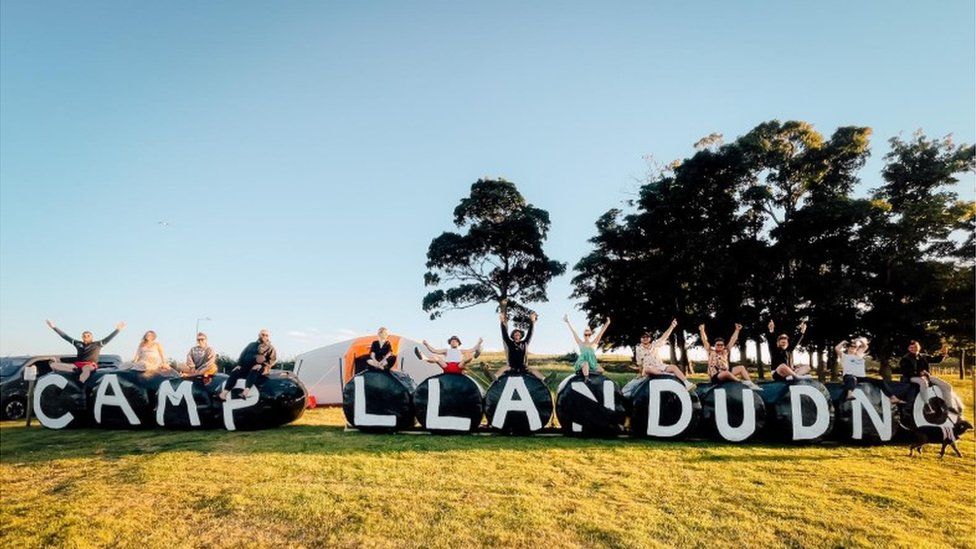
(325, 370)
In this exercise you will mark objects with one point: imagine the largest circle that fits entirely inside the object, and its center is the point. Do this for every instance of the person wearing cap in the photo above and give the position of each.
(517, 347)
(88, 349)
(381, 354)
(719, 369)
(781, 354)
(256, 360)
(453, 359)
(648, 358)
(851, 357)
(201, 360)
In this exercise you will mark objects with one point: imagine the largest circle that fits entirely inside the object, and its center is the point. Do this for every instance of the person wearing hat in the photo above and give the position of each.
(648, 357)
(452, 360)
(517, 347)
(781, 354)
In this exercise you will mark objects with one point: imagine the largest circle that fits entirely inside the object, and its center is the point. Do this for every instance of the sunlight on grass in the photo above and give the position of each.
(313, 484)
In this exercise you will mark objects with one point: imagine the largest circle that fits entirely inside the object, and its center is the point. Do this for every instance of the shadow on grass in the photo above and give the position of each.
(36, 445)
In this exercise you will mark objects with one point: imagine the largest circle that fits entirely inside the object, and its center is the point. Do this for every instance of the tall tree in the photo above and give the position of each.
(497, 258)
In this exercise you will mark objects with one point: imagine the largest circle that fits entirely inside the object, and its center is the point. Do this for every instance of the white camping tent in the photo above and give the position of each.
(325, 370)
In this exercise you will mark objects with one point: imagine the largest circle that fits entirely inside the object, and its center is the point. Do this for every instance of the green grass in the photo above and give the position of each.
(313, 484)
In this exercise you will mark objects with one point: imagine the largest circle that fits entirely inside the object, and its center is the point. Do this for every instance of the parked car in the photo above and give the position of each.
(13, 387)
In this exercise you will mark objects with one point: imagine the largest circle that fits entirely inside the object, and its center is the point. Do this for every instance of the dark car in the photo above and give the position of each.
(13, 387)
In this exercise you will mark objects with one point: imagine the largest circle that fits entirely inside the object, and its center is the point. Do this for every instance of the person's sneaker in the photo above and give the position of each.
(416, 351)
(690, 386)
(804, 376)
(789, 378)
(751, 385)
(477, 351)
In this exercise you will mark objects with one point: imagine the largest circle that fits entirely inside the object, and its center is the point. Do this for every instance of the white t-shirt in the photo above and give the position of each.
(853, 365)
(453, 355)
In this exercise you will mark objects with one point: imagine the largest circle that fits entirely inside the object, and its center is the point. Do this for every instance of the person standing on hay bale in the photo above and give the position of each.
(914, 368)
(381, 355)
(648, 357)
(88, 350)
(517, 348)
(452, 360)
(256, 360)
(781, 354)
(201, 360)
(851, 357)
(586, 362)
(719, 370)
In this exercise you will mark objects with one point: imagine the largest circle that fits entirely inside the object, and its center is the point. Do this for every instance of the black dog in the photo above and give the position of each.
(931, 435)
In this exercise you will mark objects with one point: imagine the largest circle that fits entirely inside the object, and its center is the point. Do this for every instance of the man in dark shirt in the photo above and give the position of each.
(781, 354)
(914, 368)
(256, 360)
(88, 350)
(517, 347)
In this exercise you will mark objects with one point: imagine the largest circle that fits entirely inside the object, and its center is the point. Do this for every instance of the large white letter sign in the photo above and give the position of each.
(748, 426)
(46, 420)
(360, 416)
(102, 398)
(182, 393)
(232, 404)
(923, 397)
(822, 421)
(507, 403)
(609, 402)
(882, 424)
(434, 419)
(657, 386)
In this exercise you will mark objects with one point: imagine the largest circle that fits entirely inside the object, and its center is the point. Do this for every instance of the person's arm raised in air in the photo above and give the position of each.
(528, 332)
(704, 338)
(735, 338)
(943, 354)
(572, 330)
(503, 319)
(603, 330)
(476, 345)
(799, 337)
(839, 349)
(667, 333)
(433, 350)
(63, 335)
(771, 339)
(118, 328)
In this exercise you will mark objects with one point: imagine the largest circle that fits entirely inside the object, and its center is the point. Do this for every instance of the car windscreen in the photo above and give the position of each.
(9, 366)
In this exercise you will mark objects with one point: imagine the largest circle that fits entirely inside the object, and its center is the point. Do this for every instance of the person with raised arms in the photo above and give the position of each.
(453, 359)
(586, 363)
(851, 357)
(719, 370)
(256, 360)
(149, 356)
(781, 354)
(914, 368)
(88, 350)
(201, 360)
(381, 355)
(517, 348)
(648, 357)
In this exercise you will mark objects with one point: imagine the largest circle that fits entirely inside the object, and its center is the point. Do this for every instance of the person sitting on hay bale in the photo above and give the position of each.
(452, 360)
(719, 370)
(648, 357)
(88, 351)
(781, 354)
(381, 355)
(517, 348)
(201, 361)
(256, 360)
(586, 362)
(851, 357)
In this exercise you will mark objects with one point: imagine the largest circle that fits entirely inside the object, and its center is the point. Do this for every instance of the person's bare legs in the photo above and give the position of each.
(785, 371)
(676, 372)
(375, 363)
(86, 371)
(62, 367)
(742, 373)
(726, 375)
(802, 371)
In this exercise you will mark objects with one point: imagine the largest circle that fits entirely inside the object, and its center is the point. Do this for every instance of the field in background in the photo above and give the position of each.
(313, 484)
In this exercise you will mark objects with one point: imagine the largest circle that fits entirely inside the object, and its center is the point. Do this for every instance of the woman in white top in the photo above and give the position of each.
(149, 356)
(648, 357)
(452, 360)
(851, 357)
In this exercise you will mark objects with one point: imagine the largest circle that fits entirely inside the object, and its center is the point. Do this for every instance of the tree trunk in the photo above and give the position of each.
(685, 363)
(962, 364)
(760, 368)
(742, 352)
(673, 350)
(885, 368)
(832, 365)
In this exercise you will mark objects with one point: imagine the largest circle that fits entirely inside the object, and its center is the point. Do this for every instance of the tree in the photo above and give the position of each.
(915, 216)
(498, 259)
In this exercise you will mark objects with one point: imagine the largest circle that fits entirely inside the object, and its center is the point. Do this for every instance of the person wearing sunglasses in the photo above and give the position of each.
(256, 360)
(201, 361)
(586, 362)
(719, 369)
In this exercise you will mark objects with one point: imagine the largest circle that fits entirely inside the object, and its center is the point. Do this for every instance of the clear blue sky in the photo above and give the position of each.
(305, 153)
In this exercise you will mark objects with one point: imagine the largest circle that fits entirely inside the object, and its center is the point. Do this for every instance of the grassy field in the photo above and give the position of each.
(313, 484)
